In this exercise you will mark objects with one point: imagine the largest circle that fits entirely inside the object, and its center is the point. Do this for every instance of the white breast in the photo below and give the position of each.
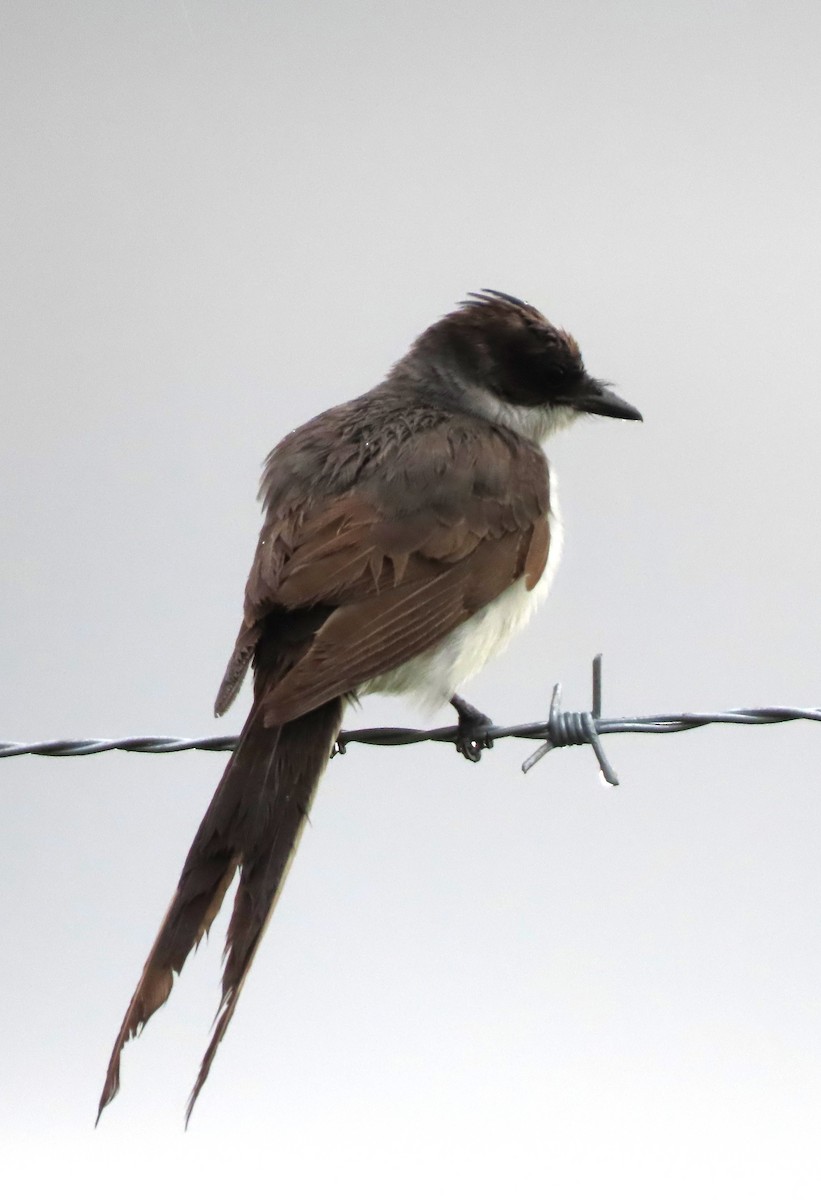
(433, 677)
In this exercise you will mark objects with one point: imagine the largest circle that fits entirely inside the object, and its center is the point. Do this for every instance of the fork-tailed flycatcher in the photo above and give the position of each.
(406, 536)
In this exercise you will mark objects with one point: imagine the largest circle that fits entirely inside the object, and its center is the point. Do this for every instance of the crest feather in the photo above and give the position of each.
(491, 297)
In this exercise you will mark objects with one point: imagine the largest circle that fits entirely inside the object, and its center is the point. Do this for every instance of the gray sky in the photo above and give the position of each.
(219, 218)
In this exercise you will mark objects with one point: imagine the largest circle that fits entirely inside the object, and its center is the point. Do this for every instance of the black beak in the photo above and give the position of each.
(597, 399)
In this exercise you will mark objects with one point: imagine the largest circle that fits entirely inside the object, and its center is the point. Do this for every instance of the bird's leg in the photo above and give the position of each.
(473, 737)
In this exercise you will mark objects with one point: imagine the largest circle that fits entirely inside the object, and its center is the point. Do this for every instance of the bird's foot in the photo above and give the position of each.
(473, 736)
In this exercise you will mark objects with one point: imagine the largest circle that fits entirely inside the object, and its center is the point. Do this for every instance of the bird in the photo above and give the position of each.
(406, 536)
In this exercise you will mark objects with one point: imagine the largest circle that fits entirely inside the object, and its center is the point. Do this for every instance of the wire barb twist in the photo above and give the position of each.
(576, 728)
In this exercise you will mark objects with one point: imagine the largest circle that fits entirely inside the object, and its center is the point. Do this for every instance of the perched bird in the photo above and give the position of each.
(406, 536)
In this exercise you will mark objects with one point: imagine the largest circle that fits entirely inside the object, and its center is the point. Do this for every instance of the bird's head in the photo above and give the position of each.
(504, 352)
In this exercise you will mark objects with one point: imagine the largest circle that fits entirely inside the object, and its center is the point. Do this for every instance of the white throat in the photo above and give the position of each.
(536, 424)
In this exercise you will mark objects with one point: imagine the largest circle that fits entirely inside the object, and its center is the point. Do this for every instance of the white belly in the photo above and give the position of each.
(433, 677)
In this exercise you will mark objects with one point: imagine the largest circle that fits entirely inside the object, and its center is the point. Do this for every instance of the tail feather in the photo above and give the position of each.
(254, 822)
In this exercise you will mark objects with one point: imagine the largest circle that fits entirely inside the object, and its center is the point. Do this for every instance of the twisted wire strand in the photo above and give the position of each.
(559, 730)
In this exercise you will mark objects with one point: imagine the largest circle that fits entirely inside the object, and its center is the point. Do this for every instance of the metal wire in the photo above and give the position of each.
(560, 729)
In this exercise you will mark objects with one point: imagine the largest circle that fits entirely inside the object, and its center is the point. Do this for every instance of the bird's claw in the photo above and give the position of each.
(473, 734)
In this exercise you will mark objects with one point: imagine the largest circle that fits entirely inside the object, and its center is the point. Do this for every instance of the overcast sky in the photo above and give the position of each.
(220, 218)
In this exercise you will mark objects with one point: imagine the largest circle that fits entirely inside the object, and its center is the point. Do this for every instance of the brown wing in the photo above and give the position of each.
(395, 563)
(391, 625)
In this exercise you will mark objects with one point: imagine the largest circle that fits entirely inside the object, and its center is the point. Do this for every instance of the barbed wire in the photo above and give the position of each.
(559, 730)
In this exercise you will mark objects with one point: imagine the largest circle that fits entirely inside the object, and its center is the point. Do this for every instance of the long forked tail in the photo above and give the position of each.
(253, 823)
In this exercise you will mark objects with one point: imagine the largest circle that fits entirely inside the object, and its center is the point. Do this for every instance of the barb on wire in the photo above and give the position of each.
(560, 729)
